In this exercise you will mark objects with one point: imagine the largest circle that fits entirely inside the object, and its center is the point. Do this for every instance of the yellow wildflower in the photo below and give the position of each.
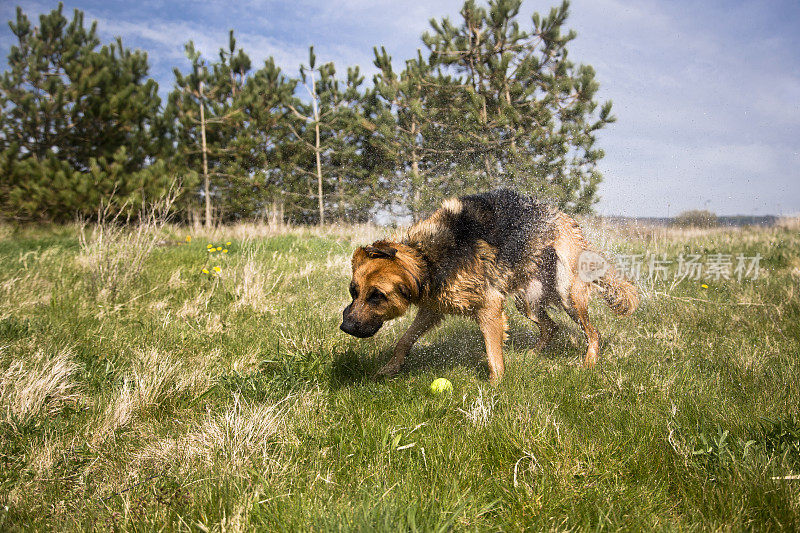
(228, 243)
(211, 250)
(219, 248)
(205, 271)
(704, 286)
(225, 251)
(188, 238)
(217, 269)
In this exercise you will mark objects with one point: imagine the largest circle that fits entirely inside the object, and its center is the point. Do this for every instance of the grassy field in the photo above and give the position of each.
(138, 392)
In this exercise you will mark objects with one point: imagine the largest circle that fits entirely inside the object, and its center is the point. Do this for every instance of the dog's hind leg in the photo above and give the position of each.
(547, 328)
(424, 321)
(529, 304)
(523, 307)
(572, 291)
(577, 308)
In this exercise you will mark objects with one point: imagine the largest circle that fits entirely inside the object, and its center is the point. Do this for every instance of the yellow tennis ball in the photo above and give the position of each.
(441, 385)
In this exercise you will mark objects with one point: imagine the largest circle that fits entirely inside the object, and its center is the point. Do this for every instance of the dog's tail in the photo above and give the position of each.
(619, 293)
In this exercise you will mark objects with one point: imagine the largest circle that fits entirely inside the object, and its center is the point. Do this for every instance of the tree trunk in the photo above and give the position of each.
(487, 164)
(315, 107)
(415, 174)
(319, 175)
(194, 217)
(206, 184)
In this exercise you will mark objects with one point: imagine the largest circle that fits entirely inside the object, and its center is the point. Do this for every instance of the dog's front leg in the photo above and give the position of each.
(492, 321)
(426, 319)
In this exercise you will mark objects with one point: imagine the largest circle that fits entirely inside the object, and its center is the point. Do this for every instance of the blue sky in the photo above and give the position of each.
(707, 94)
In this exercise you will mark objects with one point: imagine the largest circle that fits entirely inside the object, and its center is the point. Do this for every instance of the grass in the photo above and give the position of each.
(139, 393)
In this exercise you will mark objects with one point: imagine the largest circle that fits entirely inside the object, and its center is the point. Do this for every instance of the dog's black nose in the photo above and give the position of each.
(362, 331)
(350, 326)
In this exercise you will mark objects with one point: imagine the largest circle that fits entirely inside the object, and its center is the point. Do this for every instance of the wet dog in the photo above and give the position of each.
(466, 259)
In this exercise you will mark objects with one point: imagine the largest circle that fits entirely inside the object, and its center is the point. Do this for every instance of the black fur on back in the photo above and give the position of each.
(517, 226)
(506, 220)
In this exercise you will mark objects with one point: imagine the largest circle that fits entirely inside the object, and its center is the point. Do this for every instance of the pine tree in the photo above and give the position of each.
(76, 127)
(319, 83)
(416, 109)
(185, 113)
(352, 160)
(496, 106)
(333, 142)
(267, 175)
(234, 189)
(207, 117)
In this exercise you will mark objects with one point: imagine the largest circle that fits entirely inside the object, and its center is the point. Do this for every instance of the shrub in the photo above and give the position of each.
(696, 218)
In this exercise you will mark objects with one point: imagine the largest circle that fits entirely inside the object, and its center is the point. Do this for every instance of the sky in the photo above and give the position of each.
(706, 94)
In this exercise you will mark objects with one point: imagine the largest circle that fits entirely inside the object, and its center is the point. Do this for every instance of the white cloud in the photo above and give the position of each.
(707, 114)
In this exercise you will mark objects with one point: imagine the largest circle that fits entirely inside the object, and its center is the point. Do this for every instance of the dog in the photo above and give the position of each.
(470, 256)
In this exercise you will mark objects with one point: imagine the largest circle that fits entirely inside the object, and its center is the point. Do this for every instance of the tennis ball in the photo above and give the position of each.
(441, 385)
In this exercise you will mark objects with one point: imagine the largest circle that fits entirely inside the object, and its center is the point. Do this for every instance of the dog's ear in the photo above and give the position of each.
(380, 249)
(359, 257)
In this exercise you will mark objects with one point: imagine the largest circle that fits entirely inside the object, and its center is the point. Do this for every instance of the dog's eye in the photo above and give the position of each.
(376, 297)
(353, 291)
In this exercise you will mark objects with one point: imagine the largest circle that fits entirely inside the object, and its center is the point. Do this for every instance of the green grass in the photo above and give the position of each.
(187, 401)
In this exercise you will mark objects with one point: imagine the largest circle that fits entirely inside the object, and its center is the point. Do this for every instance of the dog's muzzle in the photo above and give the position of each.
(356, 328)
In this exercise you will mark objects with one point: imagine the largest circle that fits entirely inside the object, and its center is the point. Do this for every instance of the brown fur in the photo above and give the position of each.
(446, 265)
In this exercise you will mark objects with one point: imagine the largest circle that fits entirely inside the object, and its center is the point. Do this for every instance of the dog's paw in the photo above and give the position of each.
(389, 370)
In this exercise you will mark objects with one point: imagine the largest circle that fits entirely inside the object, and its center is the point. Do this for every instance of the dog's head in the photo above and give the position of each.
(384, 284)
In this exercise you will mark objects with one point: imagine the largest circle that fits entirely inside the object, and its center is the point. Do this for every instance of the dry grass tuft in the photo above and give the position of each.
(254, 285)
(45, 455)
(6, 232)
(248, 231)
(224, 442)
(175, 280)
(790, 223)
(113, 255)
(238, 436)
(338, 263)
(192, 307)
(38, 387)
(155, 380)
(214, 324)
(479, 411)
(25, 292)
(33, 285)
